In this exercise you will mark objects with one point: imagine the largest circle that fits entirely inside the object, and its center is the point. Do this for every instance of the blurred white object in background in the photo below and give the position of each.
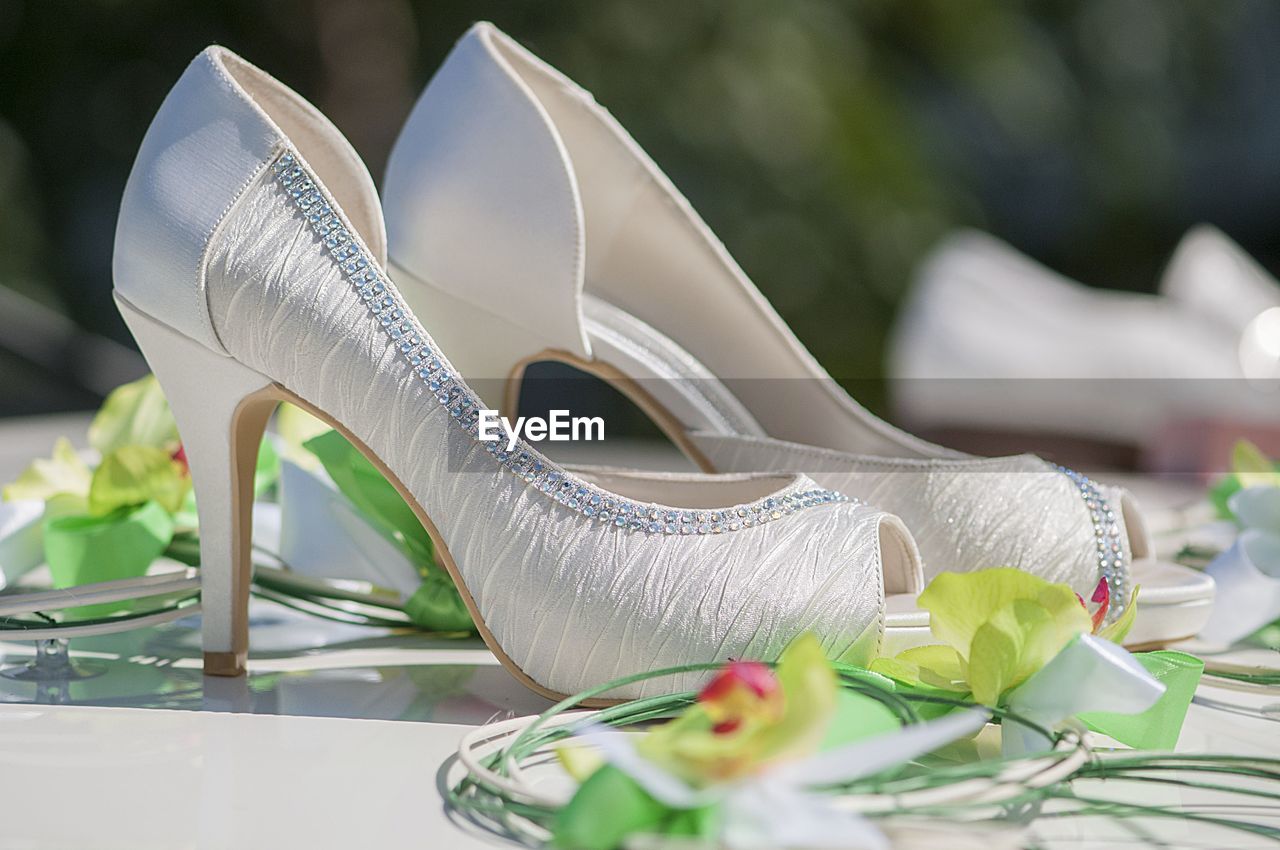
(992, 341)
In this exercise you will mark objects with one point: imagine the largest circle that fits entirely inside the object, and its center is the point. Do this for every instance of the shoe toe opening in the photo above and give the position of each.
(899, 557)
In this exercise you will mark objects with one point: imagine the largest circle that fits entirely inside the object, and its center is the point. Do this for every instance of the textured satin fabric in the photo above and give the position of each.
(575, 603)
(965, 514)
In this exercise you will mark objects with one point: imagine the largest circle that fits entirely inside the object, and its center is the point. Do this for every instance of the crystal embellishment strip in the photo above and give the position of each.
(1112, 564)
(463, 406)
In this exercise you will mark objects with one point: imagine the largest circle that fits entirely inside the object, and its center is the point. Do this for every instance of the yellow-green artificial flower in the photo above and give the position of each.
(996, 629)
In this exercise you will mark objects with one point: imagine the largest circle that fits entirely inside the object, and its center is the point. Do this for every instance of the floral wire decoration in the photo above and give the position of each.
(102, 519)
(988, 726)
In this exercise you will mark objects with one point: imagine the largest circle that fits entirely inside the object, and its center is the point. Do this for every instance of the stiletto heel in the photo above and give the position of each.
(221, 408)
(250, 265)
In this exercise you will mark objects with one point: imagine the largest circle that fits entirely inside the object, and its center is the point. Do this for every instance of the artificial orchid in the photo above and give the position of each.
(739, 766)
(996, 629)
(112, 520)
(1248, 574)
(1013, 640)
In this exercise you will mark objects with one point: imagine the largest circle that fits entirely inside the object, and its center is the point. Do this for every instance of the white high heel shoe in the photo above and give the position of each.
(248, 265)
(536, 229)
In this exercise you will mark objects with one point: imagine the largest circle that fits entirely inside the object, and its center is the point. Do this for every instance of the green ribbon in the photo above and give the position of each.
(1158, 727)
(84, 549)
(436, 605)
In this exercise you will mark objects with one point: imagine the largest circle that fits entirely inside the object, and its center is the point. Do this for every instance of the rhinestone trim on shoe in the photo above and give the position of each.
(1112, 564)
(409, 340)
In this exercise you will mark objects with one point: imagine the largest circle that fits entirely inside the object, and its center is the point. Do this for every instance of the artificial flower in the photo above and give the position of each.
(111, 521)
(63, 474)
(1014, 640)
(740, 766)
(134, 414)
(134, 475)
(749, 718)
(996, 627)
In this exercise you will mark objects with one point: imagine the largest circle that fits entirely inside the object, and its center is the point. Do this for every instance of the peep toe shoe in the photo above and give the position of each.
(526, 225)
(249, 265)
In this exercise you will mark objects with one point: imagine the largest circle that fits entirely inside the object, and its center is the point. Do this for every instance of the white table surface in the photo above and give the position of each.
(342, 735)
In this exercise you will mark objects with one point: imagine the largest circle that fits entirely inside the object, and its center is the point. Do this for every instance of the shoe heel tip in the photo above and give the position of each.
(225, 663)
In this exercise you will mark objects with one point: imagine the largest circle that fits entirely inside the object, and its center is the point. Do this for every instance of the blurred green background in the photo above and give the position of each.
(829, 144)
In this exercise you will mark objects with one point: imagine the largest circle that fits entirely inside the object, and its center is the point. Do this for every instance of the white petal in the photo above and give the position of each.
(323, 535)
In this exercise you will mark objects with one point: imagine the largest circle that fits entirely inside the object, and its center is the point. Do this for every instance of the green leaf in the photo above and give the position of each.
(607, 808)
(121, 544)
(362, 483)
(134, 414)
(437, 606)
(131, 475)
(64, 474)
(694, 823)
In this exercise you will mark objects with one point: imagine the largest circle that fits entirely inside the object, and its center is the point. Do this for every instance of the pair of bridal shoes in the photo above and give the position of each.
(251, 264)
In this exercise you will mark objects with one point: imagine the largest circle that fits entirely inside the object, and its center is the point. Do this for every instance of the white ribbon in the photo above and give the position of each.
(323, 535)
(1089, 674)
